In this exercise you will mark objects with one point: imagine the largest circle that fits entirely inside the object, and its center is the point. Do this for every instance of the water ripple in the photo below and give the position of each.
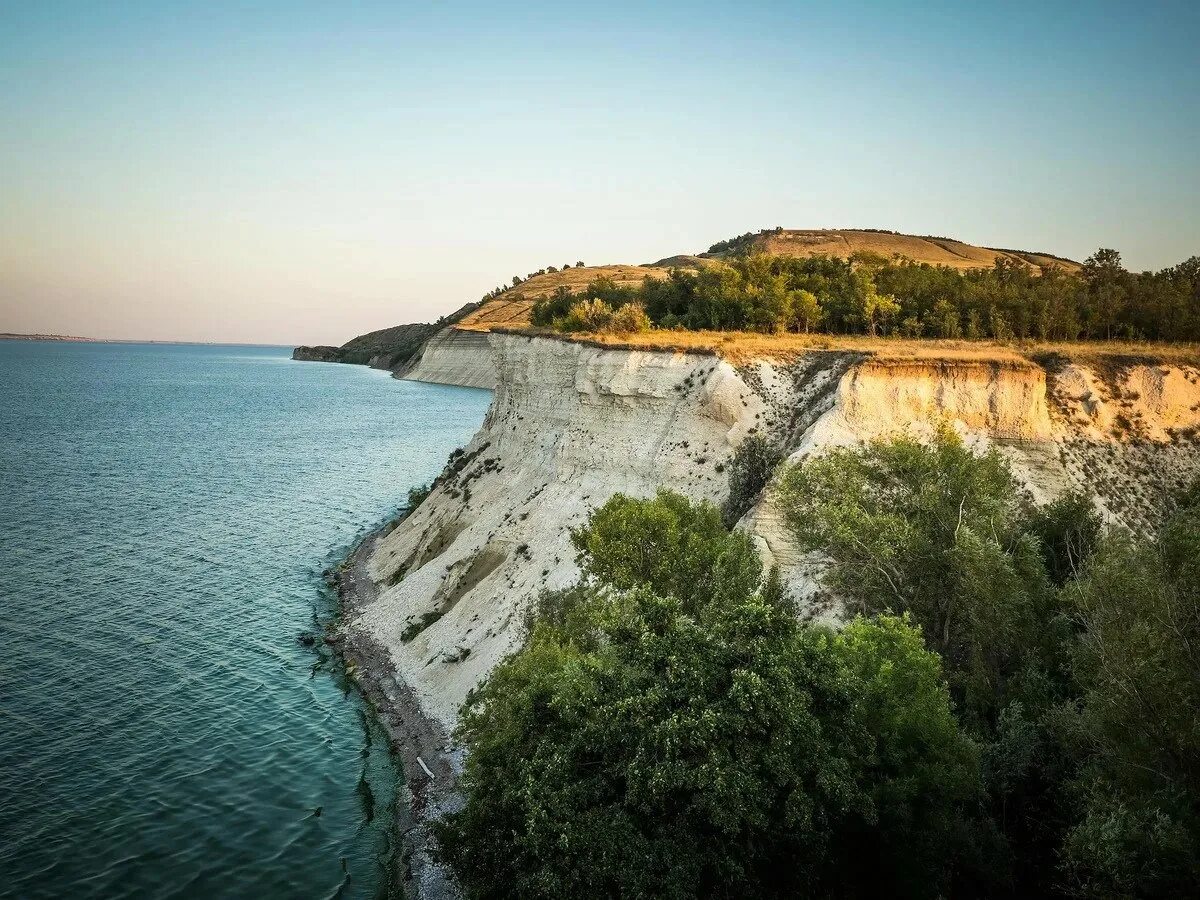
(164, 516)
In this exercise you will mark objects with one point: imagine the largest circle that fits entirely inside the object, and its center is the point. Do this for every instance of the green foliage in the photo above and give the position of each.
(942, 535)
(417, 495)
(669, 545)
(1137, 663)
(937, 532)
(629, 319)
(871, 295)
(922, 773)
(659, 736)
(594, 314)
(1086, 722)
(750, 469)
(1069, 529)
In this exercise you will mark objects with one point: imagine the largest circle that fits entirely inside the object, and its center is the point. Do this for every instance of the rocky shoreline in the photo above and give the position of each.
(430, 763)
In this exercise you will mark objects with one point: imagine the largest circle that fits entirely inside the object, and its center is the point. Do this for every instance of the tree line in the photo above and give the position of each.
(1011, 712)
(868, 294)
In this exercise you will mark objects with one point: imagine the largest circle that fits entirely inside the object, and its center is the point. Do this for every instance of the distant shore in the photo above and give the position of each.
(13, 336)
(72, 339)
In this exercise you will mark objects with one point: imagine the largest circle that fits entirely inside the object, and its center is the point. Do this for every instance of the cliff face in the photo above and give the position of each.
(319, 353)
(388, 348)
(572, 424)
(453, 356)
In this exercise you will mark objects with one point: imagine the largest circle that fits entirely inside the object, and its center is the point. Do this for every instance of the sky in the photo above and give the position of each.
(305, 172)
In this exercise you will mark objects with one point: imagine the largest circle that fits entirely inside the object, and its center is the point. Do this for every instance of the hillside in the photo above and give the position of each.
(386, 348)
(512, 308)
(400, 347)
(841, 243)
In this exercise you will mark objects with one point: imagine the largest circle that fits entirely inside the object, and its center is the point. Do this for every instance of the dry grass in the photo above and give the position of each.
(742, 346)
(933, 250)
(514, 307)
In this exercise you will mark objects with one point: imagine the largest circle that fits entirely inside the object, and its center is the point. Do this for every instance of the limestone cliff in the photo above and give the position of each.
(571, 424)
(453, 356)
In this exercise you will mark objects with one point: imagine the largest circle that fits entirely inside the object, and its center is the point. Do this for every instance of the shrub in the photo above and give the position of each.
(668, 544)
(937, 532)
(417, 495)
(1069, 529)
(750, 468)
(585, 315)
(630, 318)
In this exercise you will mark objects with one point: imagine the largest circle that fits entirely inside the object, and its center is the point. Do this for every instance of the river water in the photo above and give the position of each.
(165, 515)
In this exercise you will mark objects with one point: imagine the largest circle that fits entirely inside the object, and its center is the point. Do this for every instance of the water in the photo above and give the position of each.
(165, 514)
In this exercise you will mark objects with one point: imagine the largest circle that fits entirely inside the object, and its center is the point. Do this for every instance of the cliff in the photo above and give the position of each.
(388, 348)
(318, 353)
(434, 604)
(571, 424)
(453, 356)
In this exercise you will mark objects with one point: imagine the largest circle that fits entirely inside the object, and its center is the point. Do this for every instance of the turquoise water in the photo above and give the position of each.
(165, 514)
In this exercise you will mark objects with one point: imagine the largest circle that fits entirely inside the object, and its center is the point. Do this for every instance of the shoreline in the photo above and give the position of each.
(429, 762)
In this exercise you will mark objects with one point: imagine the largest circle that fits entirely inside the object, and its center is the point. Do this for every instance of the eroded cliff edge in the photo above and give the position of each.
(571, 424)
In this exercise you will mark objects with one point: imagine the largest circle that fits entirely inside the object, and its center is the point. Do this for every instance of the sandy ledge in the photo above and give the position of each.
(421, 744)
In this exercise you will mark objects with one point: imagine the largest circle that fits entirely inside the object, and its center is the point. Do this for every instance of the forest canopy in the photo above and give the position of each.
(868, 294)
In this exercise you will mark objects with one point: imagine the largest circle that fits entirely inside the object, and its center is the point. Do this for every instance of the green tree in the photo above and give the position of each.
(1137, 662)
(806, 310)
(750, 468)
(657, 737)
(937, 532)
(667, 544)
(940, 534)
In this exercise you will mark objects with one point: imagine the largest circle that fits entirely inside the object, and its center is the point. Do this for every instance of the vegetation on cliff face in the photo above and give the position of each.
(868, 294)
(670, 730)
(1011, 714)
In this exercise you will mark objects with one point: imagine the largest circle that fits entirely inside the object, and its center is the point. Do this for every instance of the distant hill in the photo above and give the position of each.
(842, 243)
(11, 336)
(386, 348)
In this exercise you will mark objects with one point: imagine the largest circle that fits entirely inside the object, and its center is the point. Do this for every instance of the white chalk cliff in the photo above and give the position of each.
(453, 356)
(572, 424)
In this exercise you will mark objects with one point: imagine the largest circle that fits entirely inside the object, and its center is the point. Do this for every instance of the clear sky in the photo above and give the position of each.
(301, 173)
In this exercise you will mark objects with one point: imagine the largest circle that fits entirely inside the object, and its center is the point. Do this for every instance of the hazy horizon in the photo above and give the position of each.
(302, 174)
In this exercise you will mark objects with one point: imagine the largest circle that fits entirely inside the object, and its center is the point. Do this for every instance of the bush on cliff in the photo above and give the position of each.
(597, 315)
(417, 495)
(750, 469)
(670, 730)
(940, 534)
